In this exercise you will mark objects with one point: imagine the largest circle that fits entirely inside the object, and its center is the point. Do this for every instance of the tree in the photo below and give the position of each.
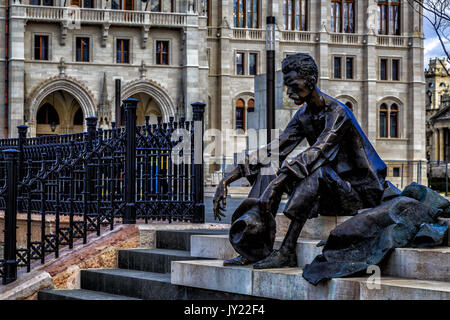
(437, 13)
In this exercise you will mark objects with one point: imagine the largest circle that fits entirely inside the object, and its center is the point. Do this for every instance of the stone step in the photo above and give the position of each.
(410, 263)
(180, 239)
(151, 260)
(79, 294)
(147, 286)
(288, 284)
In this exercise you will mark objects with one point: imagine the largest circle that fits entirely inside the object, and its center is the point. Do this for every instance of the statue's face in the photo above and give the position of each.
(297, 88)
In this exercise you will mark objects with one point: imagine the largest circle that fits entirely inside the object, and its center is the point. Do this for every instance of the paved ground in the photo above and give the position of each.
(232, 204)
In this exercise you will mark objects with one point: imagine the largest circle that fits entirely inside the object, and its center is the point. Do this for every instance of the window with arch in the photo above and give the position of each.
(389, 120)
(47, 114)
(240, 114)
(243, 106)
(343, 16)
(389, 17)
(246, 13)
(295, 15)
(251, 105)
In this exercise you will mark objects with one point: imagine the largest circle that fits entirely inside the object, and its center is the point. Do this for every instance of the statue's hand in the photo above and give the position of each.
(220, 196)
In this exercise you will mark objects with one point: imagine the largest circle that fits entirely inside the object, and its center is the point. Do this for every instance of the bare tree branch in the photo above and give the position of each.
(437, 13)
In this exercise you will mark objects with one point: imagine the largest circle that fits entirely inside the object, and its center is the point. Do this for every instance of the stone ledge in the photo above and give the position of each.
(26, 287)
(288, 284)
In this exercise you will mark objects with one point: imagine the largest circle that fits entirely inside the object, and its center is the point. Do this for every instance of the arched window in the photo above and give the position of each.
(78, 118)
(349, 105)
(47, 115)
(246, 13)
(251, 105)
(442, 84)
(343, 16)
(393, 121)
(383, 121)
(240, 114)
(389, 121)
(295, 15)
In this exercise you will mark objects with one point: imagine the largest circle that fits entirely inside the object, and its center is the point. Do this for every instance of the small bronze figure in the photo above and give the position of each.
(338, 174)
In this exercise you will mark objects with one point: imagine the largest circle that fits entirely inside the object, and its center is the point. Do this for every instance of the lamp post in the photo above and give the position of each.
(270, 75)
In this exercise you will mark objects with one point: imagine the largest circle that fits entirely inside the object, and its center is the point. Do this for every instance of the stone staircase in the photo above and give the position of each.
(407, 274)
(143, 274)
(189, 265)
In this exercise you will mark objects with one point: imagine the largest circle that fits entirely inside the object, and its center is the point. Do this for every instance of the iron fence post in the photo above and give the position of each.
(198, 112)
(130, 162)
(10, 264)
(22, 142)
(91, 124)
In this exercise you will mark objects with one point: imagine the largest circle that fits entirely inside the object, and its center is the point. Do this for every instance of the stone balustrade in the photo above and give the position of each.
(392, 41)
(73, 15)
(297, 36)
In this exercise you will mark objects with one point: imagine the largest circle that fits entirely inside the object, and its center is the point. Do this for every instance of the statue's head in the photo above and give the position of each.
(300, 74)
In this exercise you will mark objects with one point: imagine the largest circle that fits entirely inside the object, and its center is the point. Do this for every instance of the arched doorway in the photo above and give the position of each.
(155, 100)
(147, 106)
(59, 113)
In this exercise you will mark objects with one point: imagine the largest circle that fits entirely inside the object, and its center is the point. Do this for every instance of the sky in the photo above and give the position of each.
(433, 47)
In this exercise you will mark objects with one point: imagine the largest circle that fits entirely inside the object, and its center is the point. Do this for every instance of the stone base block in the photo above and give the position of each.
(288, 284)
(410, 263)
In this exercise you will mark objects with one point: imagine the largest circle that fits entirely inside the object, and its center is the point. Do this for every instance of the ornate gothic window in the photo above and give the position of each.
(383, 121)
(393, 121)
(389, 17)
(343, 16)
(240, 114)
(246, 13)
(389, 121)
(295, 15)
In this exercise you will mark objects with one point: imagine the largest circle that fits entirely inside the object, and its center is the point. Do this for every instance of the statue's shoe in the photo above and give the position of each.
(277, 259)
(238, 261)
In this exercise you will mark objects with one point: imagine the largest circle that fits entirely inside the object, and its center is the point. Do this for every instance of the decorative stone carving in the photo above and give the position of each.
(62, 68)
(105, 33)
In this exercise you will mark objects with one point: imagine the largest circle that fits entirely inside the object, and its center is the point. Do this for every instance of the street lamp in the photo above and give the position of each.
(270, 74)
(53, 126)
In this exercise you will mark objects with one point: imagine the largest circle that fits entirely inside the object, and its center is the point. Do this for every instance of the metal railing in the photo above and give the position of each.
(97, 179)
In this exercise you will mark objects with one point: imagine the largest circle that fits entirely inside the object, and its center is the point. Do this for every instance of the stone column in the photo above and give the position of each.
(191, 65)
(441, 144)
(322, 53)
(16, 69)
(435, 147)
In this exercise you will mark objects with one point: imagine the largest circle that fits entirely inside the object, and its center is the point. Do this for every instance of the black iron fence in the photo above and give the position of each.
(96, 179)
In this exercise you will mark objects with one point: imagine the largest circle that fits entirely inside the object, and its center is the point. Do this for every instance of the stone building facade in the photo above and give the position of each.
(170, 53)
(437, 105)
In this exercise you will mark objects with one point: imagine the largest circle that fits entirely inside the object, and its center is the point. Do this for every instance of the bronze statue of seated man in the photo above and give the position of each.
(338, 174)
